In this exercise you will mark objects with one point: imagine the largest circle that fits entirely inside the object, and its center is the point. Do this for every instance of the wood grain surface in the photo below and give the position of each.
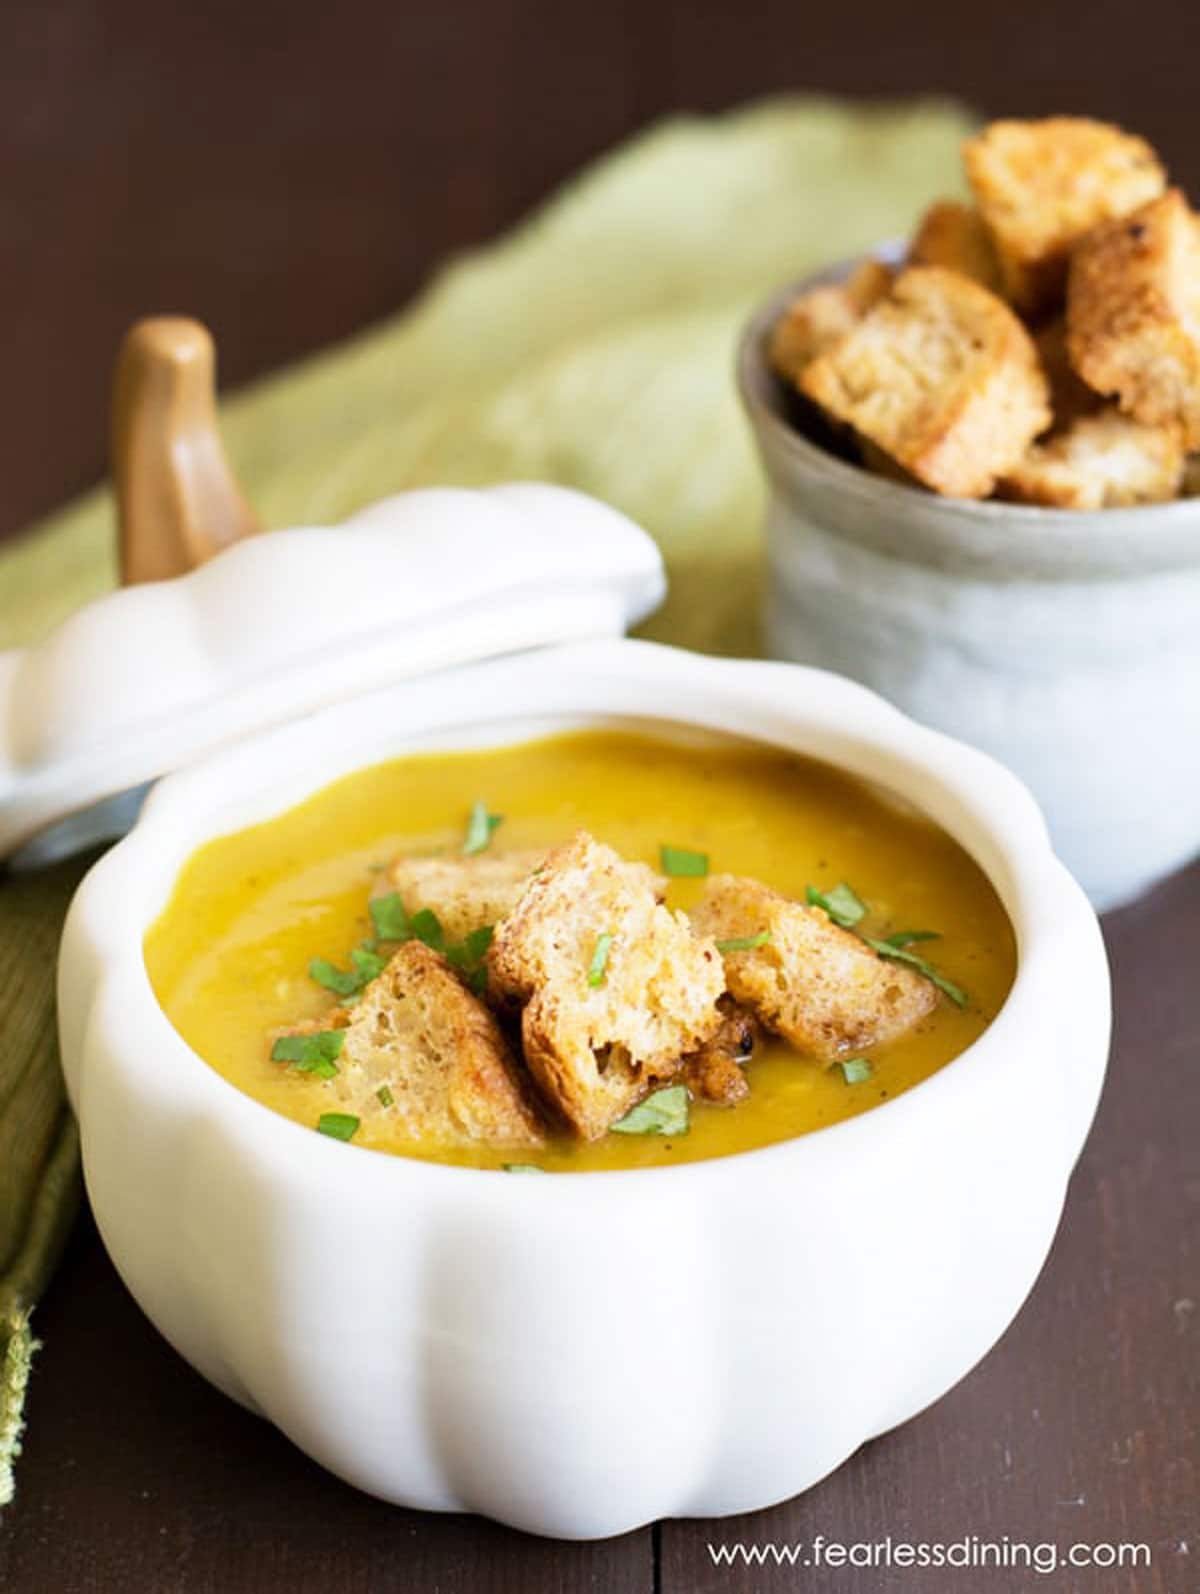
(289, 174)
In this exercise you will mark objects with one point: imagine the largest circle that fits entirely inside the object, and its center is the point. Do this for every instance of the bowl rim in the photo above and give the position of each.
(760, 391)
(126, 889)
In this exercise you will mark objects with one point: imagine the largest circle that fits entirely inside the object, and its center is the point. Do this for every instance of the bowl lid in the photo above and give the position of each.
(152, 677)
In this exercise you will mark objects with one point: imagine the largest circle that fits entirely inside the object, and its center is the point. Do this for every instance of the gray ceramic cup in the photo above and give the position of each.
(1066, 643)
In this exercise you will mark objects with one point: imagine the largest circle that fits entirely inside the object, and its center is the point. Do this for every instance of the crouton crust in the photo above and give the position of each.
(716, 1071)
(595, 1049)
(1102, 461)
(1041, 185)
(816, 319)
(954, 235)
(1133, 314)
(942, 377)
(814, 983)
(452, 1076)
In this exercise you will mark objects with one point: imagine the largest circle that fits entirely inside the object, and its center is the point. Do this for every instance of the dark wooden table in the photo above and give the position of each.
(289, 174)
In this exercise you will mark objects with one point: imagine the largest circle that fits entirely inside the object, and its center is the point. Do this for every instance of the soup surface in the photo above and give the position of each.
(229, 956)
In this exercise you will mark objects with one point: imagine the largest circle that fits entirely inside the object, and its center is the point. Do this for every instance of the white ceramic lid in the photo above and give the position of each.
(150, 678)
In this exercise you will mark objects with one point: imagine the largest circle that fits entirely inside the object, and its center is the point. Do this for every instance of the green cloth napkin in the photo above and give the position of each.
(592, 346)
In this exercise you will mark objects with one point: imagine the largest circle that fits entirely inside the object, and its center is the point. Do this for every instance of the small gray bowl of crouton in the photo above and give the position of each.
(980, 449)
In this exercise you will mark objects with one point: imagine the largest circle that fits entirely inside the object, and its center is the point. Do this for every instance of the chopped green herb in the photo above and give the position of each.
(426, 926)
(663, 1113)
(384, 1096)
(856, 1070)
(480, 828)
(898, 954)
(744, 943)
(310, 1054)
(521, 1167)
(842, 904)
(467, 957)
(389, 918)
(368, 964)
(903, 938)
(342, 982)
(348, 982)
(338, 1125)
(599, 961)
(681, 863)
(476, 942)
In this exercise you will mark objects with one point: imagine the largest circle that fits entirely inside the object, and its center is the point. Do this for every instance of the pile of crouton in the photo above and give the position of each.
(1041, 345)
(593, 994)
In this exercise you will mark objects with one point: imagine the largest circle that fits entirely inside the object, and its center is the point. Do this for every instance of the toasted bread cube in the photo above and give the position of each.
(1103, 461)
(1133, 314)
(467, 893)
(451, 1074)
(716, 1072)
(812, 982)
(816, 319)
(954, 235)
(1041, 185)
(616, 988)
(1189, 487)
(942, 377)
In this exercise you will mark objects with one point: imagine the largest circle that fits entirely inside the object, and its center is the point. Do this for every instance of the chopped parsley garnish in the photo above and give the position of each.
(467, 957)
(342, 982)
(521, 1167)
(480, 828)
(744, 943)
(599, 961)
(899, 954)
(856, 1070)
(389, 917)
(845, 907)
(310, 1054)
(665, 1112)
(842, 904)
(681, 863)
(338, 1125)
(426, 926)
(367, 963)
(384, 1096)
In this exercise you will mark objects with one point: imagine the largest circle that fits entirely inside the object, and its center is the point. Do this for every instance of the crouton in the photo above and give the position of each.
(1101, 461)
(953, 235)
(716, 1072)
(616, 988)
(1133, 314)
(468, 893)
(942, 377)
(816, 319)
(465, 893)
(817, 985)
(1189, 487)
(447, 1068)
(1041, 185)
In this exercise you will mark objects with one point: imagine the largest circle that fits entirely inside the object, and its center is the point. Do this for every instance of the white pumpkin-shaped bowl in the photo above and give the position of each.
(577, 1354)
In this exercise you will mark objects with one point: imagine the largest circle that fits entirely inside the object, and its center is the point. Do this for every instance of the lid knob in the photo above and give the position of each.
(177, 501)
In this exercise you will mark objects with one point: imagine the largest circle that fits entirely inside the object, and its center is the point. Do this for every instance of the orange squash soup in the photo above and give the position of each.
(685, 948)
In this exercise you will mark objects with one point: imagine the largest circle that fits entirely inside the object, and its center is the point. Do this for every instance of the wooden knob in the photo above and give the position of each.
(177, 501)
